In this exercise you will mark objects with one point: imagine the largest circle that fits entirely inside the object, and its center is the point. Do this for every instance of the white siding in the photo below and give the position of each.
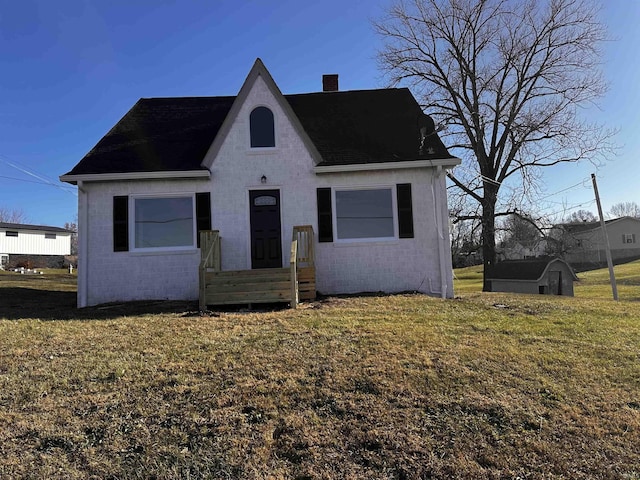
(109, 276)
(34, 242)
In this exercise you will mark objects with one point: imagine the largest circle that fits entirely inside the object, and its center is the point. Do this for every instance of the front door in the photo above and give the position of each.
(266, 238)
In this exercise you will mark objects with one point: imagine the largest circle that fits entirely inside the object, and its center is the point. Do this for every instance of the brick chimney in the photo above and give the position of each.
(330, 82)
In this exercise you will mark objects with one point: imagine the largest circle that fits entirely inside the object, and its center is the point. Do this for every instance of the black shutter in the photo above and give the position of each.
(405, 210)
(203, 213)
(121, 224)
(325, 216)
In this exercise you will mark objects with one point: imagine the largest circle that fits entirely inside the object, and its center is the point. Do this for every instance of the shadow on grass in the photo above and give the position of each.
(18, 303)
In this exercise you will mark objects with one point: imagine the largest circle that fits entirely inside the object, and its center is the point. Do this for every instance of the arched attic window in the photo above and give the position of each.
(261, 128)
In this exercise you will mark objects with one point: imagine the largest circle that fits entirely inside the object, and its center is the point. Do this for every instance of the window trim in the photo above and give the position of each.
(11, 233)
(50, 236)
(394, 212)
(132, 223)
(275, 131)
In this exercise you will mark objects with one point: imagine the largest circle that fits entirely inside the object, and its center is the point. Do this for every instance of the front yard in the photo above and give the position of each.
(403, 387)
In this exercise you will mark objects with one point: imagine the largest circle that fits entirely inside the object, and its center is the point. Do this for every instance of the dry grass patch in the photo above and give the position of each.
(406, 386)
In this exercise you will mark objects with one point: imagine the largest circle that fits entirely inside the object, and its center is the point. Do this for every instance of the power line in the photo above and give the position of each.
(25, 180)
(484, 178)
(42, 178)
(581, 183)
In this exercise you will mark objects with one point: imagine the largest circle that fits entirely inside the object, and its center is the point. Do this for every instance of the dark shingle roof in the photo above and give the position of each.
(174, 134)
(365, 126)
(531, 269)
(586, 226)
(158, 134)
(24, 226)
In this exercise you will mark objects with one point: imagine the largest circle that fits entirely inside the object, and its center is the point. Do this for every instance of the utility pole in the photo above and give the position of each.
(612, 277)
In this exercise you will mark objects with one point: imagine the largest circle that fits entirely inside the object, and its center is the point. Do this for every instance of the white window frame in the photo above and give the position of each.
(258, 150)
(629, 238)
(50, 236)
(394, 212)
(132, 222)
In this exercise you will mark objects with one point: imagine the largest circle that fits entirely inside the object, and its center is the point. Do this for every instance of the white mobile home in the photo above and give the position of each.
(36, 245)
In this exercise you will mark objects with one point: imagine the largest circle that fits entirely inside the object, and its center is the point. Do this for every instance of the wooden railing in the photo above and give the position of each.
(304, 235)
(306, 261)
(293, 267)
(210, 258)
(290, 284)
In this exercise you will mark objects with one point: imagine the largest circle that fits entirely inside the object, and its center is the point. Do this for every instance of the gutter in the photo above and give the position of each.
(83, 241)
(368, 167)
(105, 177)
(441, 248)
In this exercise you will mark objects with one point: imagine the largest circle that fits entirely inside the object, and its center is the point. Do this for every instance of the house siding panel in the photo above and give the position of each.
(35, 243)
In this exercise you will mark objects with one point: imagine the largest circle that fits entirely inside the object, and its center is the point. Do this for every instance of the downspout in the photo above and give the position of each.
(83, 242)
(441, 247)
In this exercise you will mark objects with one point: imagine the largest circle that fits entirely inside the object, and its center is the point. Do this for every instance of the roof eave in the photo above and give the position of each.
(366, 167)
(110, 177)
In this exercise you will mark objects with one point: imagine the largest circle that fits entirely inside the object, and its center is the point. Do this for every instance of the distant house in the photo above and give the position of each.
(33, 246)
(522, 251)
(358, 177)
(583, 244)
(538, 276)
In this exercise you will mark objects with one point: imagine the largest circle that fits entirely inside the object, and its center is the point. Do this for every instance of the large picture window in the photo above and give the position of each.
(364, 214)
(261, 128)
(163, 222)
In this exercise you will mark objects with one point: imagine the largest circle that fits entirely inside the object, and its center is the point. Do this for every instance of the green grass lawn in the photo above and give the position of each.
(486, 385)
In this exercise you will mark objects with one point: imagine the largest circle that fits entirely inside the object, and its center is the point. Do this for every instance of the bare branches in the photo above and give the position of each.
(12, 216)
(508, 77)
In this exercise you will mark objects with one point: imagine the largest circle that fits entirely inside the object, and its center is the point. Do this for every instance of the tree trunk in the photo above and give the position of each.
(488, 231)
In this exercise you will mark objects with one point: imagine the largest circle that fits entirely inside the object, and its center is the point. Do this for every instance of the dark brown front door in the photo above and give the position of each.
(266, 241)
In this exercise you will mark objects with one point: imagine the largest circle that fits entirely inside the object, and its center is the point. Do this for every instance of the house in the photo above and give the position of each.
(539, 276)
(518, 250)
(583, 244)
(361, 172)
(33, 246)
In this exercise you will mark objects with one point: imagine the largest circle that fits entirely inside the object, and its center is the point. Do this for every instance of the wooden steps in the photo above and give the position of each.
(266, 285)
(307, 283)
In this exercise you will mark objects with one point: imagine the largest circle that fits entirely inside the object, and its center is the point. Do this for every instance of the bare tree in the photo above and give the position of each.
(625, 209)
(521, 229)
(581, 216)
(466, 244)
(73, 227)
(507, 77)
(12, 215)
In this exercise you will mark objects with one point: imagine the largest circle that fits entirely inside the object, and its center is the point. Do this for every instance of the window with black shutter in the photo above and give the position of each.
(121, 224)
(325, 215)
(405, 210)
(203, 213)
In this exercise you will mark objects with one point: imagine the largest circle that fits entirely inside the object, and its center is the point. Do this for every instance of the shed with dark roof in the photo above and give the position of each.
(545, 276)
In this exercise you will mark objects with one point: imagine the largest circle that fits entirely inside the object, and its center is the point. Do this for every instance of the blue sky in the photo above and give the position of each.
(69, 70)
